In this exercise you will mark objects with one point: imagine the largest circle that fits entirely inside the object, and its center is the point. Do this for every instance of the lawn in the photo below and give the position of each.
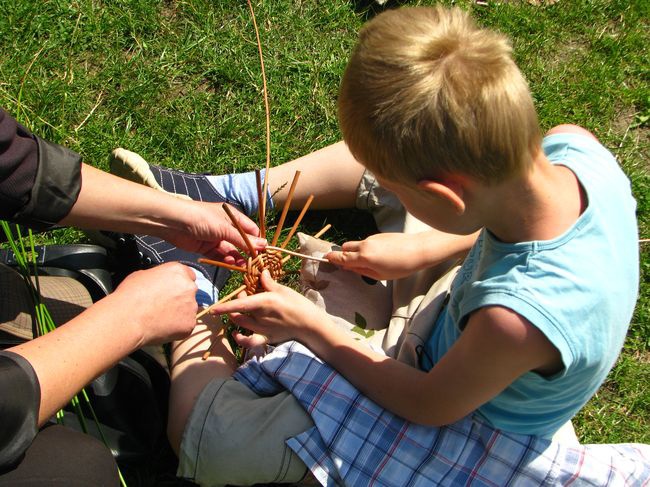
(179, 82)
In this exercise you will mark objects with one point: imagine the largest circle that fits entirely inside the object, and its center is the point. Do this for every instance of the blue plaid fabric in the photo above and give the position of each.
(357, 443)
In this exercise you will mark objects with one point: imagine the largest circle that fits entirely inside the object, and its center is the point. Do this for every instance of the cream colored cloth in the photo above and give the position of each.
(395, 317)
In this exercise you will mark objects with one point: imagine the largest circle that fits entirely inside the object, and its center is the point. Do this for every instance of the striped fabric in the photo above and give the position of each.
(357, 443)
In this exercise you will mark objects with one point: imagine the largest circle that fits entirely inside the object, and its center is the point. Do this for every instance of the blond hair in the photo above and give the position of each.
(427, 92)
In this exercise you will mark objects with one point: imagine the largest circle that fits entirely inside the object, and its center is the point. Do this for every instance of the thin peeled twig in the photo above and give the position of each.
(260, 207)
(296, 254)
(298, 220)
(285, 209)
(251, 249)
(316, 235)
(320, 233)
(262, 203)
(222, 264)
(214, 339)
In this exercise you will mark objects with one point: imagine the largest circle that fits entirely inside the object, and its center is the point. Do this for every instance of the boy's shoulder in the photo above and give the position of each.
(566, 145)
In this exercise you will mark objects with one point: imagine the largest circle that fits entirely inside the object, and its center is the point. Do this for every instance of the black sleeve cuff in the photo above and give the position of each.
(20, 398)
(56, 188)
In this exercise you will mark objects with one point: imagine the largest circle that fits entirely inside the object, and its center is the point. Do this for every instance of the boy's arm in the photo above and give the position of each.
(496, 347)
(397, 255)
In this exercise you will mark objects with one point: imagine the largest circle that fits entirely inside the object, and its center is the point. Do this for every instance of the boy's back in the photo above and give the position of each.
(579, 289)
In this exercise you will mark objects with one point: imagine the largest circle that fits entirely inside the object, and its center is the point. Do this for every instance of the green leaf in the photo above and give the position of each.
(360, 321)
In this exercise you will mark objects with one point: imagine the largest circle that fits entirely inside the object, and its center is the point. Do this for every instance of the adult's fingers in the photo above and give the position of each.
(248, 225)
(230, 234)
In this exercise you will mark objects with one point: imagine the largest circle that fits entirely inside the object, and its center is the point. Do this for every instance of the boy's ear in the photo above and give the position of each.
(449, 189)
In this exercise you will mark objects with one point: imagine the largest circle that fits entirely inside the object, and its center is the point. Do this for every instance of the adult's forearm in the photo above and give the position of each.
(111, 203)
(68, 358)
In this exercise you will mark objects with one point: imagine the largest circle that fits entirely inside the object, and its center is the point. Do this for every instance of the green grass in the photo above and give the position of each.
(179, 82)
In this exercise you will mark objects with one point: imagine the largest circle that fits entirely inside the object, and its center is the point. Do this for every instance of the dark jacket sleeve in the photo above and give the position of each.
(39, 181)
(20, 397)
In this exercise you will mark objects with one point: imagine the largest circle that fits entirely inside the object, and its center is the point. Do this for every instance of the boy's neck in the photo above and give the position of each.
(540, 205)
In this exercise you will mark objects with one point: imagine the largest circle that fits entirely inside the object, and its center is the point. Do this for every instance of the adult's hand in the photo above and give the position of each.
(209, 231)
(107, 202)
(160, 303)
(151, 306)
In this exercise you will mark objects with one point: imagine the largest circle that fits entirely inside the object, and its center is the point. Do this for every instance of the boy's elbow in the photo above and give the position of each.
(437, 414)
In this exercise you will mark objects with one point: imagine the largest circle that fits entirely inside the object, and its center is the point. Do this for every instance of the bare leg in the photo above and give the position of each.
(190, 373)
(331, 174)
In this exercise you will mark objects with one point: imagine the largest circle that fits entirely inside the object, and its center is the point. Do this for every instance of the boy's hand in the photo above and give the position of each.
(279, 314)
(397, 255)
(381, 256)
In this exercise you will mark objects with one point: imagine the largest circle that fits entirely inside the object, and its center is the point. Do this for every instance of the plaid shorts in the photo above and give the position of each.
(356, 442)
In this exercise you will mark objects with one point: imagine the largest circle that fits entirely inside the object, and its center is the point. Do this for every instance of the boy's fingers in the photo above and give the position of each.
(345, 258)
(351, 246)
(244, 304)
(249, 341)
(243, 321)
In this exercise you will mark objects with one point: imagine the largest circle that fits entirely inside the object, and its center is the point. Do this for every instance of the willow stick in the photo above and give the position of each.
(298, 220)
(228, 297)
(222, 264)
(316, 235)
(213, 341)
(285, 209)
(320, 233)
(296, 254)
(262, 203)
(260, 208)
(251, 249)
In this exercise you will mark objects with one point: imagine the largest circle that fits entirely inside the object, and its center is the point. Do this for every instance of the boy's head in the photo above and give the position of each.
(426, 92)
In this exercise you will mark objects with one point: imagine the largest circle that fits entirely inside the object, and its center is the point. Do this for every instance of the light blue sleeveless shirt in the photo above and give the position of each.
(579, 289)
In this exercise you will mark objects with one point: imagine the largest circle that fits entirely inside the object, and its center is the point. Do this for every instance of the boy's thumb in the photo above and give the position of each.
(267, 281)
